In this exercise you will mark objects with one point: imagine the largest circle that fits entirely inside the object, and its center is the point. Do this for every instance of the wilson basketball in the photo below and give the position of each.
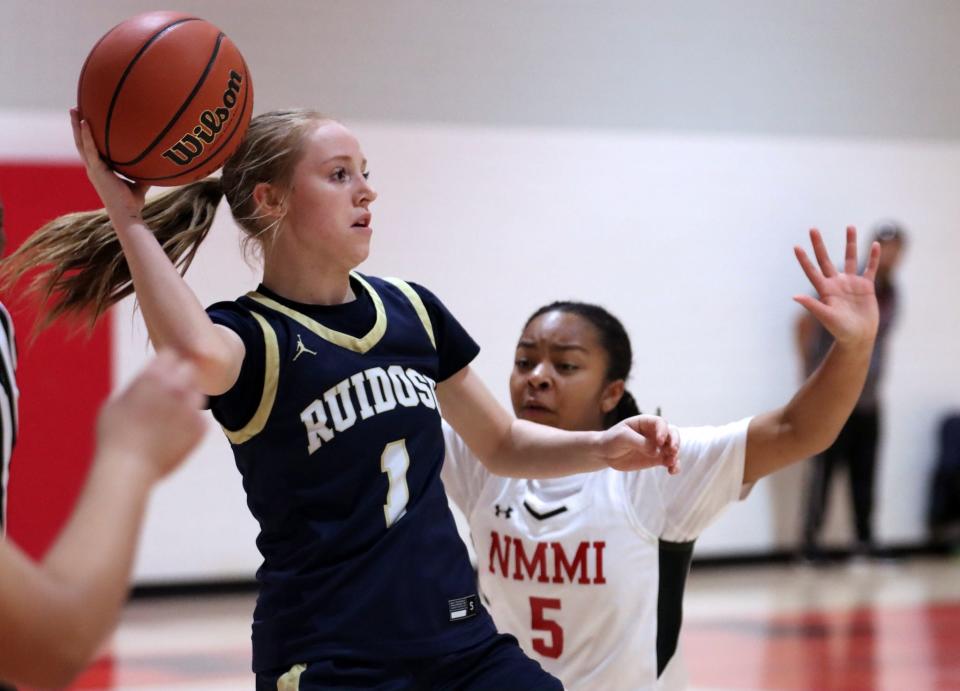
(168, 97)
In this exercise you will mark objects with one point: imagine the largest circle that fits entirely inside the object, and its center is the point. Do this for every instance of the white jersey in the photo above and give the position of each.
(588, 571)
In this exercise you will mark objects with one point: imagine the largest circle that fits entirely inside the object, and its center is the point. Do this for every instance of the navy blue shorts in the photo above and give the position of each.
(497, 664)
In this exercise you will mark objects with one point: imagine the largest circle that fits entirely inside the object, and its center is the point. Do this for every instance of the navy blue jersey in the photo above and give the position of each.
(335, 427)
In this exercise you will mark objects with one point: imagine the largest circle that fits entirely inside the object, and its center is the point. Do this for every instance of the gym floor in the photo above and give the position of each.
(878, 625)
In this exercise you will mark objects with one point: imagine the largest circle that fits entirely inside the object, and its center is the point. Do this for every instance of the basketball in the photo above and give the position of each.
(167, 96)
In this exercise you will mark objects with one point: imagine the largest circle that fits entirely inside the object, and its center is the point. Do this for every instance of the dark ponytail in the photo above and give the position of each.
(614, 341)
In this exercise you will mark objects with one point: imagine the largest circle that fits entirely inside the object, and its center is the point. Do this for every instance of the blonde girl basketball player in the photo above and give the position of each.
(328, 384)
(587, 571)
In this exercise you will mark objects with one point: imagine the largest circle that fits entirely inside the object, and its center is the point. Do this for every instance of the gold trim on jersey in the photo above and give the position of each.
(418, 305)
(271, 376)
(291, 680)
(358, 345)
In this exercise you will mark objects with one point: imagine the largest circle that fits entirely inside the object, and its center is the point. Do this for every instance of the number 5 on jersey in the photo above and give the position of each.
(538, 622)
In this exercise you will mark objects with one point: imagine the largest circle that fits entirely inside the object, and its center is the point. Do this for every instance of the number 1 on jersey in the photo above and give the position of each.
(394, 462)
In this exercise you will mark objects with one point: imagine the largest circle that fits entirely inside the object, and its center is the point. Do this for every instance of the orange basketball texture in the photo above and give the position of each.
(168, 97)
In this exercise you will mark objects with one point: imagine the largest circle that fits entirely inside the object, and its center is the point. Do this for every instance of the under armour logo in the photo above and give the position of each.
(301, 349)
(506, 512)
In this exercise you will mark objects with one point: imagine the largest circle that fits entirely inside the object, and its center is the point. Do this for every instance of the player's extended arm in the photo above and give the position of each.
(55, 615)
(175, 318)
(810, 422)
(518, 448)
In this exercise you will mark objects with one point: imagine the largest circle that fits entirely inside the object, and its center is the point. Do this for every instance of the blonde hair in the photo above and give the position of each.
(84, 270)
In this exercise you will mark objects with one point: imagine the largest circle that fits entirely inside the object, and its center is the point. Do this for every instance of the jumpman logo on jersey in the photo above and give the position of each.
(506, 512)
(301, 349)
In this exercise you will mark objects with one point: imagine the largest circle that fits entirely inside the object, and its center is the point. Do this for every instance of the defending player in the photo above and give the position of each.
(588, 571)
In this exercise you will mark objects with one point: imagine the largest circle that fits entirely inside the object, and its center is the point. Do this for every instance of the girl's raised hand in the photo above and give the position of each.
(122, 199)
(847, 303)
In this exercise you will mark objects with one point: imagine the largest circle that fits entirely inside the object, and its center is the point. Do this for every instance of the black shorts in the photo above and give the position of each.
(497, 664)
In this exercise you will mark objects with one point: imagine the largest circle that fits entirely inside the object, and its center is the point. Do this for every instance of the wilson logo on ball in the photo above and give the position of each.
(211, 122)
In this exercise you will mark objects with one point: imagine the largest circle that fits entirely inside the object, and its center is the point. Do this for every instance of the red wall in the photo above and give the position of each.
(64, 375)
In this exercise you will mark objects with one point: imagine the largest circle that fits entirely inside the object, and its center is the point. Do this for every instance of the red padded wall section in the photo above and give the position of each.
(64, 375)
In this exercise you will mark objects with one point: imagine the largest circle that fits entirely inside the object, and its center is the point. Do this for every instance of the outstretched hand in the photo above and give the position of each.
(121, 198)
(847, 302)
(642, 441)
(156, 420)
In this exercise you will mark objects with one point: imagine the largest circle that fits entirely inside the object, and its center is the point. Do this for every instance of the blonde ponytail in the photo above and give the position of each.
(83, 270)
(86, 271)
